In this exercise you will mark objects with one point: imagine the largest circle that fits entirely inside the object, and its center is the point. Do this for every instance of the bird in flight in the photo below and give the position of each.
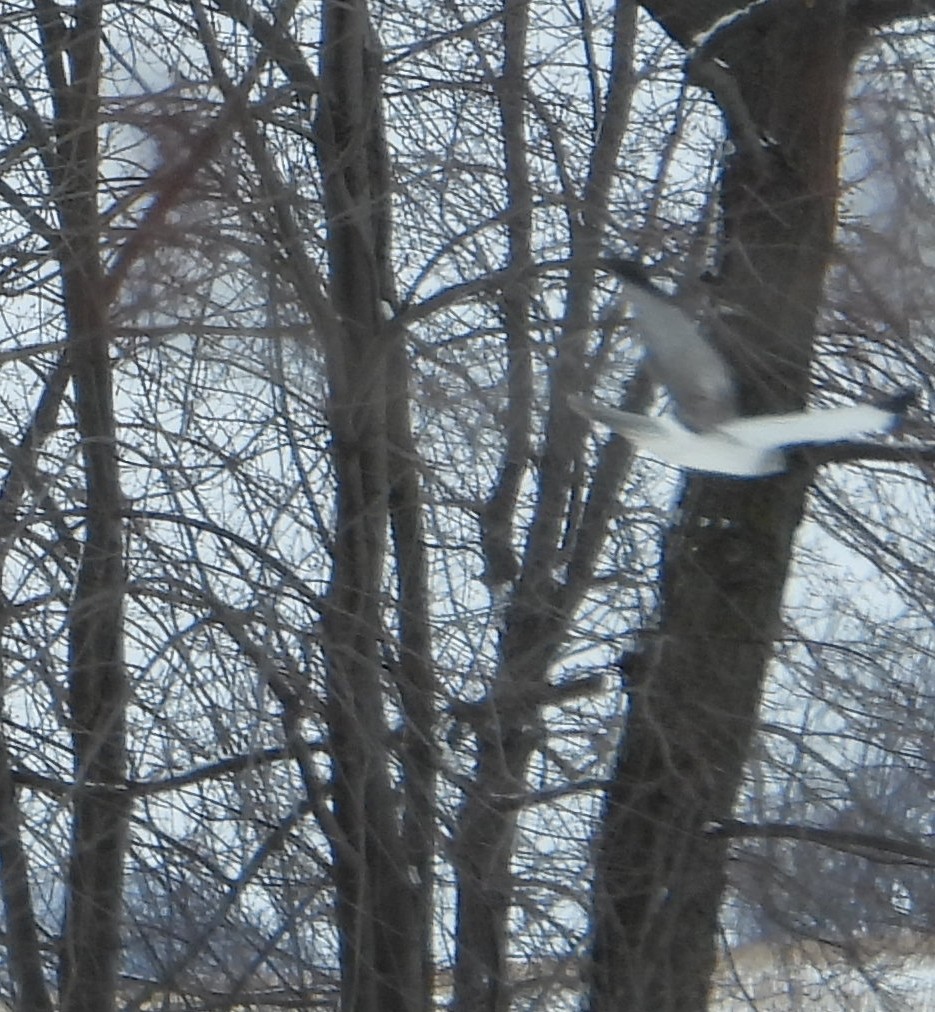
(707, 434)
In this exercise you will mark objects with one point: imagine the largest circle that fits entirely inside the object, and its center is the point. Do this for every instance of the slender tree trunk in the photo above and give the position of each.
(97, 682)
(25, 955)
(506, 724)
(505, 730)
(415, 675)
(381, 922)
(695, 683)
(27, 965)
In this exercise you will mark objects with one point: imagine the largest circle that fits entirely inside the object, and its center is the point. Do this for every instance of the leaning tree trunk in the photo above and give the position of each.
(696, 680)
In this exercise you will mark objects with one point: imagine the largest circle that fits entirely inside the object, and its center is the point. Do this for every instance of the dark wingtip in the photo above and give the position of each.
(629, 270)
(899, 403)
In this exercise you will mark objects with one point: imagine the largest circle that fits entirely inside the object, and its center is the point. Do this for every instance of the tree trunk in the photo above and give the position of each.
(695, 683)
(506, 724)
(383, 934)
(97, 681)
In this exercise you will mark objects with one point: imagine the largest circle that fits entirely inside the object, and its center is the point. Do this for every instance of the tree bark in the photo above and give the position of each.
(696, 681)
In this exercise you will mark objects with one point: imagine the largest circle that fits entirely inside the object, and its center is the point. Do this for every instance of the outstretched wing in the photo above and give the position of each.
(827, 425)
(713, 452)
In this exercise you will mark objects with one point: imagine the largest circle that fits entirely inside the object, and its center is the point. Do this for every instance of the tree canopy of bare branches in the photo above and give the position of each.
(343, 664)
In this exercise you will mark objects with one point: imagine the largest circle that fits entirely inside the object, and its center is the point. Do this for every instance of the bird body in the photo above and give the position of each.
(682, 359)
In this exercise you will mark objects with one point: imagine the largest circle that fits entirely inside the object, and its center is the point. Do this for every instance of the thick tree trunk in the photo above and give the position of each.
(696, 681)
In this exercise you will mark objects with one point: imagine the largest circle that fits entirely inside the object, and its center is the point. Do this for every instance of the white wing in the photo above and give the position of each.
(826, 425)
(713, 452)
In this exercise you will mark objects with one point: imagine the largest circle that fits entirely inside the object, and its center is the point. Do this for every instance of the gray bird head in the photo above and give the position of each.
(629, 270)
